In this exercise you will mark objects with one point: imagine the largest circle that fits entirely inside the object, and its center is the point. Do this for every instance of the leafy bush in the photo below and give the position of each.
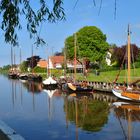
(24, 66)
(40, 70)
(53, 72)
(137, 64)
(57, 72)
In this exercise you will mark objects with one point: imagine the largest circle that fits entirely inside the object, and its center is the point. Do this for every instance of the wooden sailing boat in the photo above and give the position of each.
(129, 92)
(22, 76)
(49, 83)
(13, 73)
(34, 76)
(75, 87)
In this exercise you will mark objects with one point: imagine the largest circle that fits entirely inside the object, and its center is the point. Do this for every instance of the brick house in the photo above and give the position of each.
(57, 62)
(54, 62)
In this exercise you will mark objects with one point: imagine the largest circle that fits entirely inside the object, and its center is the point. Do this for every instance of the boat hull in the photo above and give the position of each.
(118, 93)
(50, 86)
(36, 78)
(126, 94)
(77, 89)
(13, 76)
(23, 77)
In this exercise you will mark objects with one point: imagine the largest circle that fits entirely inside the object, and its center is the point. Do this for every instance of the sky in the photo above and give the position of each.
(84, 14)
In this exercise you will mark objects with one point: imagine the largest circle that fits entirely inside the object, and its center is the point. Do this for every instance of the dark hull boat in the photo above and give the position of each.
(50, 86)
(34, 77)
(23, 76)
(69, 87)
(13, 75)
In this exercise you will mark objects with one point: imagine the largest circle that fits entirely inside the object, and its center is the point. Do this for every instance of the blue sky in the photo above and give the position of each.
(85, 14)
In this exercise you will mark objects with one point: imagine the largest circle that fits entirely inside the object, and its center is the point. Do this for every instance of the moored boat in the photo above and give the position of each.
(34, 77)
(73, 86)
(69, 87)
(49, 83)
(12, 75)
(23, 76)
(132, 90)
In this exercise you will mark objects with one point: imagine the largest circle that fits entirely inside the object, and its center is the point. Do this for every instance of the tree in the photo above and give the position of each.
(91, 44)
(58, 53)
(32, 61)
(6, 67)
(24, 66)
(120, 55)
(13, 10)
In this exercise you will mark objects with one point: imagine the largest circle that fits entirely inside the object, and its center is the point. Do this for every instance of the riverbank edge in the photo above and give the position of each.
(9, 132)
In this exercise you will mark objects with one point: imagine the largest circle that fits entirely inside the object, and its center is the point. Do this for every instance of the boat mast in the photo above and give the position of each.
(32, 59)
(14, 61)
(20, 55)
(129, 125)
(76, 118)
(12, 58)
(65, 61)
(75, 43)
(128, 55)
(49, 74)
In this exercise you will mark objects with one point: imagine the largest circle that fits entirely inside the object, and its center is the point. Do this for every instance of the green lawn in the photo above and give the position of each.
(107, 76)
(110, 76)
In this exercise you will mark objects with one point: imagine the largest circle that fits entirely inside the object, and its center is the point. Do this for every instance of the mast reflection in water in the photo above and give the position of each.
(38, 115)
(130, 114)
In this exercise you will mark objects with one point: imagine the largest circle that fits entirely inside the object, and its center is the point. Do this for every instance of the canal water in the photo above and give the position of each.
(38, 114)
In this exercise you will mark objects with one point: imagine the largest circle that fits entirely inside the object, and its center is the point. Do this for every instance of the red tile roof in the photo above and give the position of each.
(42, 63)
(57, 60)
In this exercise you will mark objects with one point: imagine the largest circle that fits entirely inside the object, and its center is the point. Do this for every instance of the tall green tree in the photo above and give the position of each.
(91, 44)
(24, 66)
(6, 67)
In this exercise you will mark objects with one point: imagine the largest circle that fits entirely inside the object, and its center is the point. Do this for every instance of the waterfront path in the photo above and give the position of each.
(7, 133)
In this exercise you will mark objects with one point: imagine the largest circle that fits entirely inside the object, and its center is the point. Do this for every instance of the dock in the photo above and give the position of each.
(101, 86)
(97, 86)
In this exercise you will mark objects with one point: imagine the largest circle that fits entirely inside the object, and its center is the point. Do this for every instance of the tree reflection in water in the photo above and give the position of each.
(88, 114)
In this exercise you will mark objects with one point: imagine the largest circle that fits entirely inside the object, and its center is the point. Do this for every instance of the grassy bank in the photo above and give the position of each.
(106, 76)
(110, 76)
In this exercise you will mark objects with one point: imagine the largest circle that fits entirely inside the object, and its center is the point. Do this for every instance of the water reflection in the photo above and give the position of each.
(14, 91)
(21, 93)
(45, 114)
(50, 94)
(129, 112)
(33, 87)
(87, 114)
(14, 85)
